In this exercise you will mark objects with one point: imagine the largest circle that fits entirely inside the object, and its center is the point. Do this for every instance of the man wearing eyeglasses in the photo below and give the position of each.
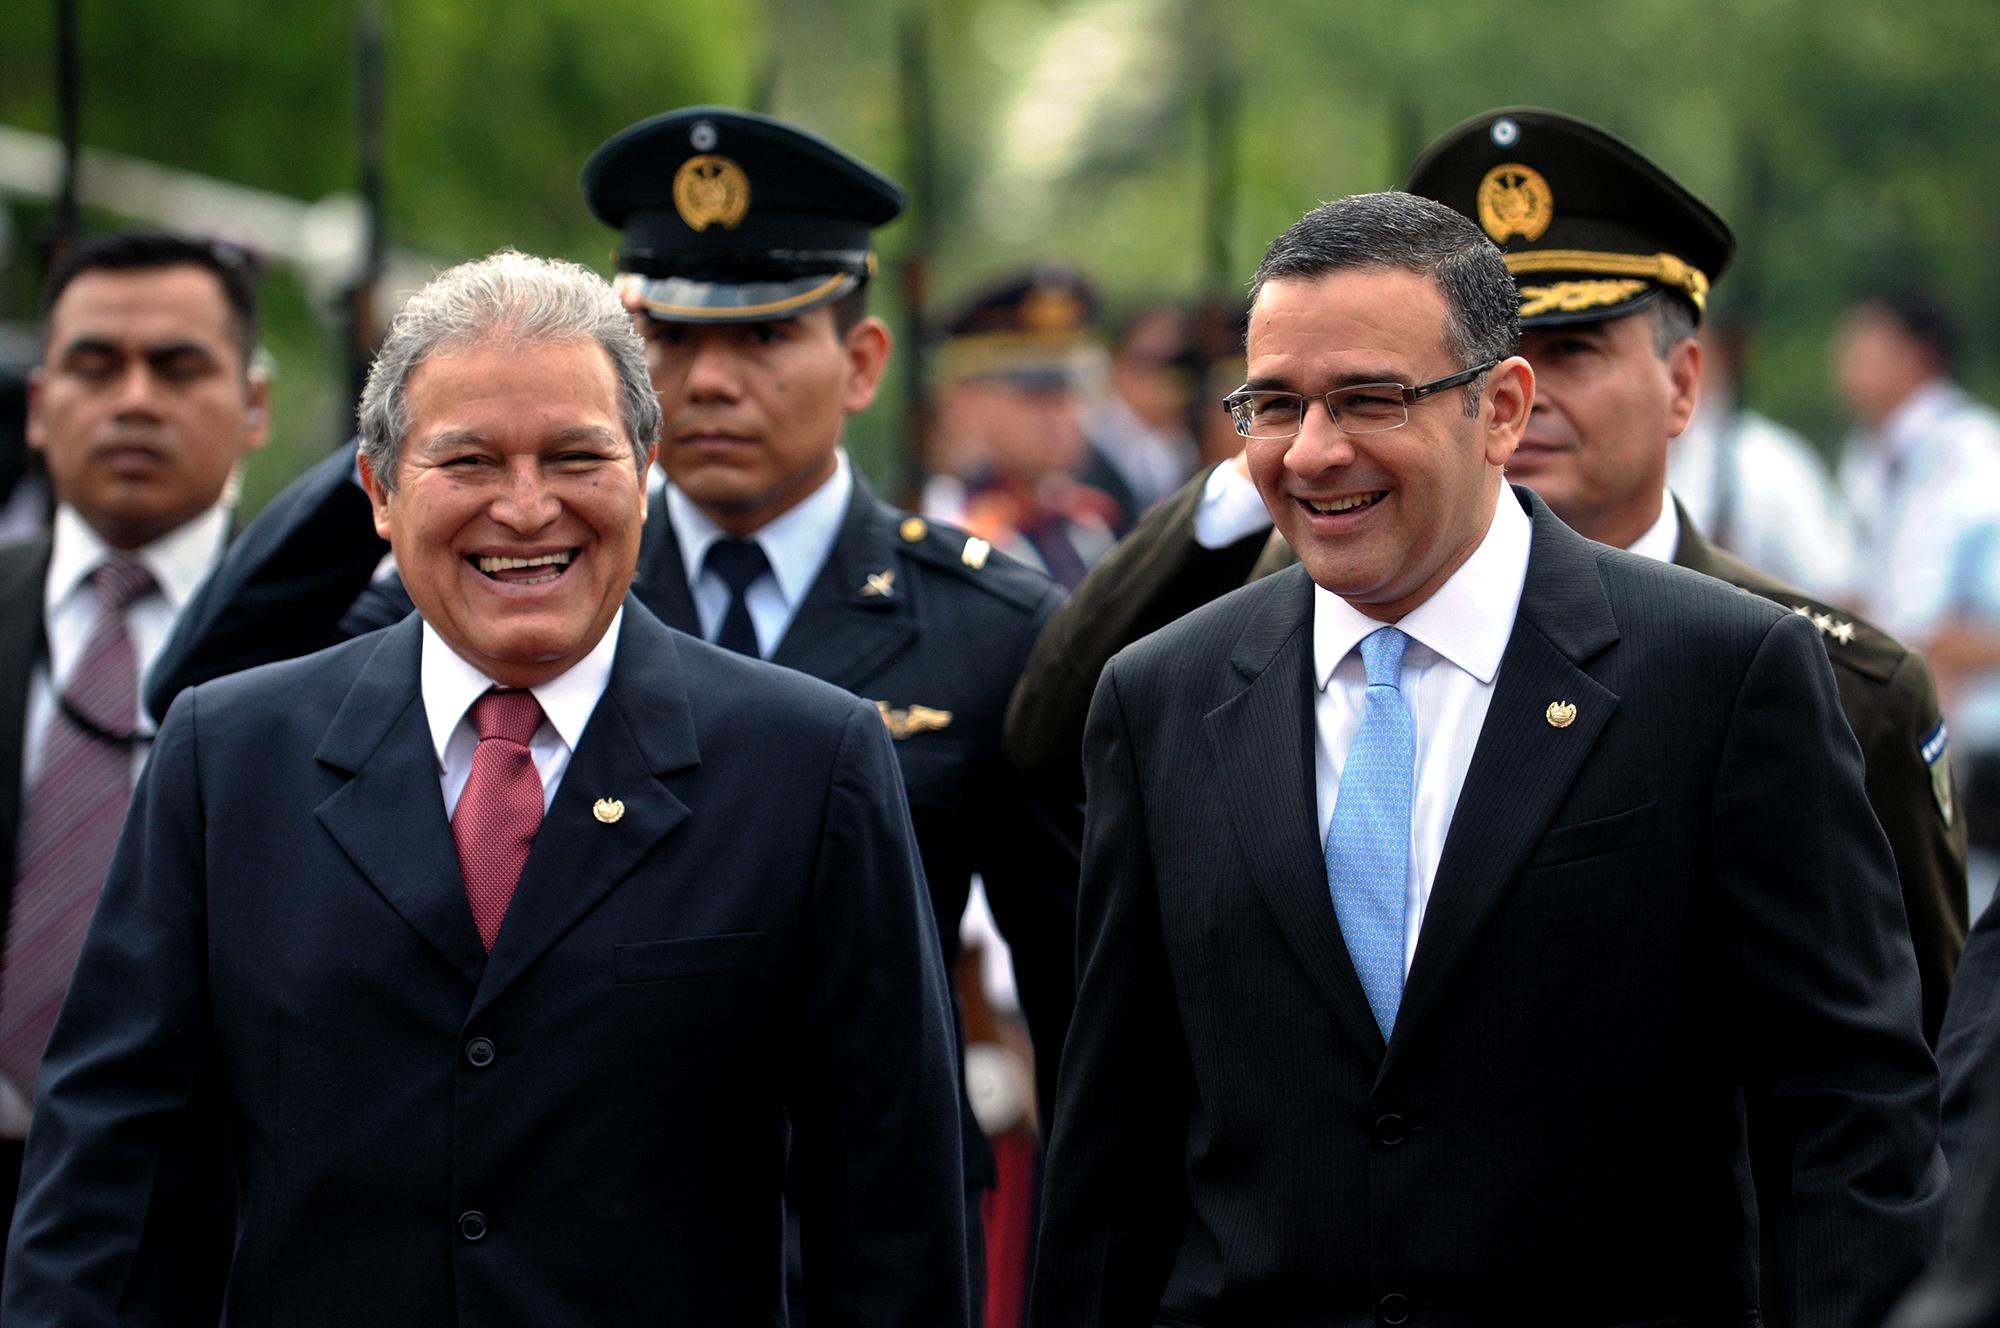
(1432, 937)
(1613, 261)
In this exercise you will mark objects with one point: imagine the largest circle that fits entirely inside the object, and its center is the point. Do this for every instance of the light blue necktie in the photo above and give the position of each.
(1368, 844)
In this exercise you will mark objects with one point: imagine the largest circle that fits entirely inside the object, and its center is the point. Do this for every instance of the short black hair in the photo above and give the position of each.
(1482, 308)
(1923, 318)
(849, 310)
(233, 268)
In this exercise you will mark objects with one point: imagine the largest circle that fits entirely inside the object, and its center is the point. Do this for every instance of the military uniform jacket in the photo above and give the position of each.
(590, 1124)
(1159, 572)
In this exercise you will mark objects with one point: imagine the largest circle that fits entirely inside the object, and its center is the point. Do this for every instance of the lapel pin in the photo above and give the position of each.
(1561, 714)
(608, 810)
(913, 529)
(881, 583)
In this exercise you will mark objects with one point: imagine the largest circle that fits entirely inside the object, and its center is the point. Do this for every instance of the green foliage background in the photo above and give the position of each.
(1850, 143)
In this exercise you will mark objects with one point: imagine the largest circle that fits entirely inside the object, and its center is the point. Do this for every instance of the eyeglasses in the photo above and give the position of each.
(1357, 408)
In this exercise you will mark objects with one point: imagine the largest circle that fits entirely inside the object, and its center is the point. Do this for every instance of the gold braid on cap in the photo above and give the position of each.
(1664, 269)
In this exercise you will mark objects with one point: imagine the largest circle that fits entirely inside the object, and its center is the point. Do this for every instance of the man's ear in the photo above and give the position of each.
(866, 345)
(1684, 376)
(256, 410)
(38, 437)
(378, 497)
(1509, 400)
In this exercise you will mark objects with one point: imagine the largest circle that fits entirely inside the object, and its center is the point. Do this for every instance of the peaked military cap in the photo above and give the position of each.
(1591, 229)
(1034, 329)
(728, 216)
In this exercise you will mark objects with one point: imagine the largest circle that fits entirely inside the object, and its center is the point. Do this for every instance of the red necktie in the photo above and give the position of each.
(70, 824)
(501, 807)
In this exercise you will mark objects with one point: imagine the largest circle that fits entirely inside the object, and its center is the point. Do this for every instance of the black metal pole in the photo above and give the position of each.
(920, 142)
(67, 223)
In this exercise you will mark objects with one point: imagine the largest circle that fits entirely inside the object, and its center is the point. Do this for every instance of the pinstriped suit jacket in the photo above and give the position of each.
(1618, 954)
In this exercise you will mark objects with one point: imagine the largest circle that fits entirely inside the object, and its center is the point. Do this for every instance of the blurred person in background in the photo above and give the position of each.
(1922, 476)
(1138, 426)
(1755, 487)
(145, 403)
(1018, 363)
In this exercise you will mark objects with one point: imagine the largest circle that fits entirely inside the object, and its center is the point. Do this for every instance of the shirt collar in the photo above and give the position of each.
(1662, 539)
(1910, 422)
(178, 559)
(1467, 620)
(450, 685)
(796, 542)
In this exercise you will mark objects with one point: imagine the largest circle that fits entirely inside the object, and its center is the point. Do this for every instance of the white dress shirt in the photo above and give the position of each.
(450, 685)
(1661, 540)
(796, 544)
(178, 561)
(1457, 637)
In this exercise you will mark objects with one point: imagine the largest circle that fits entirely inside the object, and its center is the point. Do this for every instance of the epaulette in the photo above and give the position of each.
(971, 559)
(1851, 642)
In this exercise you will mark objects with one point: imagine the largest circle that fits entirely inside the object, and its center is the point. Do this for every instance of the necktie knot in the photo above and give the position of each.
(119, 581)
(1382, 656)
(737, 562)
(511, 715)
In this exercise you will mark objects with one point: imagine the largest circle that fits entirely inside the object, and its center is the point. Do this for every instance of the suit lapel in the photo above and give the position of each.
(641, 729)
(661, 583)
(22, 581)
(1523, 764)
(843, 633)
(389, 818)
(1263, 741)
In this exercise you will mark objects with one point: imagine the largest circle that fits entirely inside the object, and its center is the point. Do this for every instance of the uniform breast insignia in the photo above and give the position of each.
(908, 723)
(711, 190)
(913, 529)
(881, 583)
(1515, 200)
(976, 552)
(1933, 748)
(608, 810)
(1560, 714)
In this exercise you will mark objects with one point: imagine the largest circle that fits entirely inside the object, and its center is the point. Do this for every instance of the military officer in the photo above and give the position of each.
(1613, 260)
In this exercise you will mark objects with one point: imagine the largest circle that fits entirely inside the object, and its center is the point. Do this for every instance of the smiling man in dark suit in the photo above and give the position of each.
(511, 948)
(1432, 937)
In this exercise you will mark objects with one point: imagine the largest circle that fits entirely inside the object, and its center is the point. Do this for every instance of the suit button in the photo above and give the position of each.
(479, 1053)
(1389, 1130)
(1393, 1309)
(472, 1225)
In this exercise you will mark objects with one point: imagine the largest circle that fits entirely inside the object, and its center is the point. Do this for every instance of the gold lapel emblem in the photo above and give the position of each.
(881, 583)
(913, 529)
(908, 723)
(608, 810)
(709, 190)
(976, 552)
(1561, 714)
(1515, 200)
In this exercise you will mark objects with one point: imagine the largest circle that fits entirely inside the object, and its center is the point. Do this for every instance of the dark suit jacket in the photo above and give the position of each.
(1159, 572)
(1969, 1057)
(1615, 955)
(24, 566)
(949, 637)
(587, 1126)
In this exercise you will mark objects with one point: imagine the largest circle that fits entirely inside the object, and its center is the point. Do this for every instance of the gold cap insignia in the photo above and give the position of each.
(975, 553)
(1515, 200)
(709, 189)
(1561, 714)
(913, 529)
(608, 810)
(881, 583)
(908, 723)
(1051, 309)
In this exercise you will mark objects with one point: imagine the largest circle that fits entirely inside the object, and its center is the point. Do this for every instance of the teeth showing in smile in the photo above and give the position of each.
(554, 561)
(1345, 504)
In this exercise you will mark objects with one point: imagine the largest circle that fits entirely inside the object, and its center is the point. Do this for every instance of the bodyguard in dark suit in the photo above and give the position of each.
(507, 946)
(1617, 366)
(1430, 986)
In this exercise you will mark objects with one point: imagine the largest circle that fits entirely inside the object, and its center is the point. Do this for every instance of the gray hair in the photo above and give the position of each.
(1482, 308)
(508, 299)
